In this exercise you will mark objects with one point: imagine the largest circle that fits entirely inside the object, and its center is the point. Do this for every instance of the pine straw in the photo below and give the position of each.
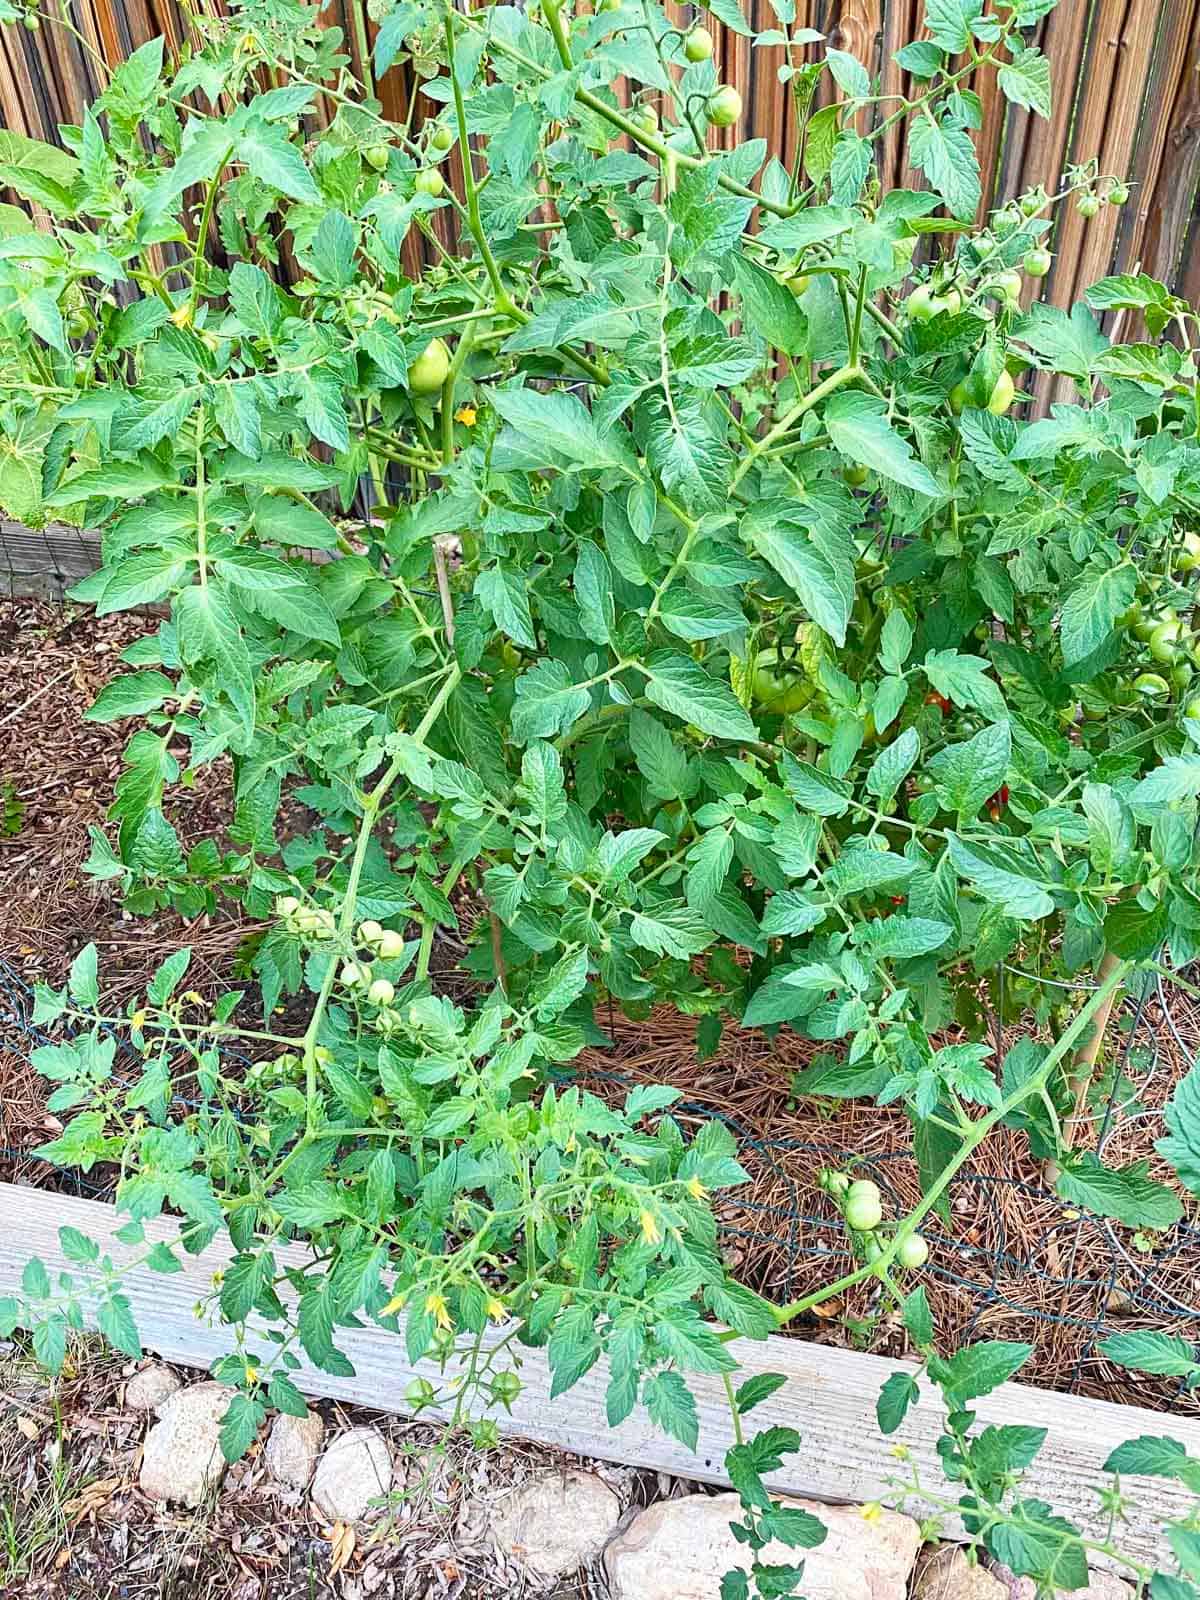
(1016, 1264)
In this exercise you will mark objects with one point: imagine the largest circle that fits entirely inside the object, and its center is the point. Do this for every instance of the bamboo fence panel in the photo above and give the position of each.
(1126, 90)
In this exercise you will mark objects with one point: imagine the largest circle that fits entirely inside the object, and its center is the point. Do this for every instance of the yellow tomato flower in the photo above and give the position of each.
(466, 415)
(138, 1020)
(436, 1304)
(651, 1232)
(695, 1188)
(396, 1303)
(496, 1309)
(871, 1512)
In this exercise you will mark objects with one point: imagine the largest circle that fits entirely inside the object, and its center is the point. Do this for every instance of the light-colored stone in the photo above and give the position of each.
(181, 1459)
(293, 1445)
(946, 1574)
(355, 1469)
(680, 1550)
(150, 1388)
(555, 1523)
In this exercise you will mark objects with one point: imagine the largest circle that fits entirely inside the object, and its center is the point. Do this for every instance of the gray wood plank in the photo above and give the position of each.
(829, 1397)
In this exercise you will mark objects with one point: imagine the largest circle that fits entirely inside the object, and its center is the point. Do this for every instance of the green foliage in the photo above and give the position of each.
(716, 638)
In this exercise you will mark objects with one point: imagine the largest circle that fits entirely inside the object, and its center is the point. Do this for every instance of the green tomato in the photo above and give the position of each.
(428, 372)
(1187, 558)
(864, 1208)
(1087, 205)
(913, 1252)
(1118, 193)
(429, 181)
(1192, 708)
(645, 118)
(781, 694)
(1131, 617)
(1151, 686)
(1032, 202)
(856, 475)
(959, 397)
(1007, 286)
(1038, 262)
(798, 282)
(1181, 675)
(1003, 394)
(698, 44)
(441, 138)
(724, 106)
(376, 156)
(924, 303)
(1165, 639)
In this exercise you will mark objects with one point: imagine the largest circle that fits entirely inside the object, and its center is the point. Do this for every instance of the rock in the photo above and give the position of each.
(150, 1388)
(681, 1549)
(293, 1445)
(355, 1469)
(555, 1523)
(947, 1575)
(181, 1459)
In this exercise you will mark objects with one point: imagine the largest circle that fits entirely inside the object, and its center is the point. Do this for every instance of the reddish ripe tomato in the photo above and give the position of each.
(997, 803)
(939, 700)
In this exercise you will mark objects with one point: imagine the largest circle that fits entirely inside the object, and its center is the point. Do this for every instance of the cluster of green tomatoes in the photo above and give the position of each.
(1168, 639)
(861, 1204)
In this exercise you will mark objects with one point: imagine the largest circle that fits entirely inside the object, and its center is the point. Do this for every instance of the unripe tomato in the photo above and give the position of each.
(864, 1208)
(856, 475)
(1131, 616)
(381, 993)
(698, 44)
(724, 106)
(1118, 193)
(354, 974)
(370, 932)
(428, 372)
(1038, 262)
(782, 695)
(376, 156)
(1087, 205)
(429, 181)
(1003, 394)
(923, 303)
(959, 397)
(1192, 708)
(391, 944)
(1181, 675)
(441, 138)
(1032, 202)
(1165, 640)
(1151, 685)
(646, 118)
(286, 905)
(1187, 558)
(913, 1252)
(1007, 285)
(798, 282)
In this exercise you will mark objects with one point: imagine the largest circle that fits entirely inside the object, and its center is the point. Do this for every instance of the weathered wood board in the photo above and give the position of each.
(829, 1397)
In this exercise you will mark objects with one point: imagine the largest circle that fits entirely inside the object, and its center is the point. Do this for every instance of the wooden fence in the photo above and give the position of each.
(1126, 78)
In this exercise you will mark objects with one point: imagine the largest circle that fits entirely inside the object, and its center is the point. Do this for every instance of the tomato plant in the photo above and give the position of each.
(539, 586)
